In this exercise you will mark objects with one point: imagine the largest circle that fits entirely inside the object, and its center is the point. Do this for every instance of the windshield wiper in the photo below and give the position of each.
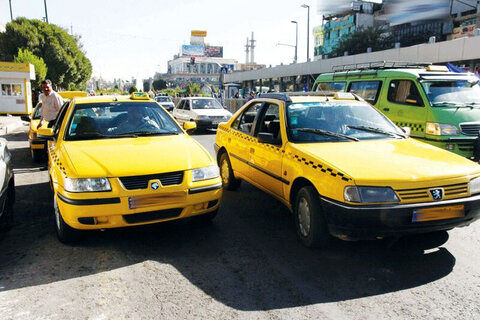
(97, 135)
(376, 130)
(325, 133)
(150, 133)
(448, 103)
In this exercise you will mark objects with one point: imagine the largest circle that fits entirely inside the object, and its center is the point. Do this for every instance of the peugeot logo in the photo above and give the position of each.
(437, 194)
(154, 185)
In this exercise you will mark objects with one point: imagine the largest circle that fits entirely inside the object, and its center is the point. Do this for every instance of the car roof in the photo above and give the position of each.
(109, 98)
(385, 73)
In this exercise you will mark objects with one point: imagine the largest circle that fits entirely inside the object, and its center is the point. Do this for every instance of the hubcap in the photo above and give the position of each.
(304, 217)
(225, 171)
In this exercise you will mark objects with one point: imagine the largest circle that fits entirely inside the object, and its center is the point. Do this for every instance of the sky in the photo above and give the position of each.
(125, 38)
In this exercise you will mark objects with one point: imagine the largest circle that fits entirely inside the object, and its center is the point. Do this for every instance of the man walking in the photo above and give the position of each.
(51, 104)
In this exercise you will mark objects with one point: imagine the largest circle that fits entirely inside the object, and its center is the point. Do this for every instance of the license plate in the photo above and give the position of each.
(441, 213)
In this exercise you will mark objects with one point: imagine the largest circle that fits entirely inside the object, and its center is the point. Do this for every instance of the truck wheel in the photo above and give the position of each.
(228, 179)
(65, 233)
(310, 222)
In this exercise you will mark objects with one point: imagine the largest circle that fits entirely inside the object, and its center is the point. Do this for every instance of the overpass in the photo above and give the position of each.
(293, 77)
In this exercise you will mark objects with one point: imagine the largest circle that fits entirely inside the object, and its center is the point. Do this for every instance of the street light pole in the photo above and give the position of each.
(296, 41)
(46, 13)
(11, 14)
(308, 31)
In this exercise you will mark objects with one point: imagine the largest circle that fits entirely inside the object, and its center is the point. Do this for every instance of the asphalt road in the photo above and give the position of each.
(247, 264)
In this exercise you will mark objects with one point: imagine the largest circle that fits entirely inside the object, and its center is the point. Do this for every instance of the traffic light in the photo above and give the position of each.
(192, 60)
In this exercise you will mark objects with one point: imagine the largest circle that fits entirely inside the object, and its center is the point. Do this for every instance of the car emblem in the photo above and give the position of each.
(437, 194)
(154, 185)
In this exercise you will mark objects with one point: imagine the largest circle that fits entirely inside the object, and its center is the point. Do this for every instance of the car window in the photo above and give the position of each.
(269, 122)
(404, 92)
(206, 104)
(181, 104)
(38, 112)
(368, 90)
(60, 117)
(244, 122)
(119, 119)
(331, 86)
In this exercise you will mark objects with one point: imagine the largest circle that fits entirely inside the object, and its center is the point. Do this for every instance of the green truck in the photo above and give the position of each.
(438, 106)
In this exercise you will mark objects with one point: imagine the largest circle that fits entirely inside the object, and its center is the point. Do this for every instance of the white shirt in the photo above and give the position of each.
(51, 104)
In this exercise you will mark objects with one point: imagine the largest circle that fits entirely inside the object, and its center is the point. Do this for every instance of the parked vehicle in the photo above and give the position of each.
(207, 113)
(344, 169)
(166, 102)
(440, 107)
(7, 187)
(123, 161)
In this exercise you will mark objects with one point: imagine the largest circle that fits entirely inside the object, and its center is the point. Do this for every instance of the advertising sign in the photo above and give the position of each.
(198, 33)
(216, 52)
(193, 50)
(405, 11)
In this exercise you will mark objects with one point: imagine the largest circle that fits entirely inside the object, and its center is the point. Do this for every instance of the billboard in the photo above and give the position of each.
(198, 33)
(193, 50)
(215, 52)
(405, 11)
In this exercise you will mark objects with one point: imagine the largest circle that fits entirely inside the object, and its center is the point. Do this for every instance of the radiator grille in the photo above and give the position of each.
(141, 182)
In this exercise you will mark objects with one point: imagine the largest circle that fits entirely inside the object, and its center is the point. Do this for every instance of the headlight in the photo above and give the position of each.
(87, 185)
(441, 129)
(206, 173)
(201, 117)
(474, 186)
(369, 194)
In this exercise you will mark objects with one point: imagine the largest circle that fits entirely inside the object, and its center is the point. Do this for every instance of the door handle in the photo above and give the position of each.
(386, 109)
(252, 150)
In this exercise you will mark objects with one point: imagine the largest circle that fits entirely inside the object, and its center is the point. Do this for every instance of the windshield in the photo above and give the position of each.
(163, 99)
(206, 104)
(119, 119)
(38, 112)
(454, 93)
(327, 122)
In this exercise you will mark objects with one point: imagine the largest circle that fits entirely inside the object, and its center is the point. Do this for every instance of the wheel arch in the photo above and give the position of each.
(297, 184)
(220, 152)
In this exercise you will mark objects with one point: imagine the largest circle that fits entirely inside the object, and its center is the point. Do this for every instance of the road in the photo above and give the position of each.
(247, 264)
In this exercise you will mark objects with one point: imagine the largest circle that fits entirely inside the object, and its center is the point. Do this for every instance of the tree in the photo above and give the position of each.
(193, 89)
(132, 89)
(358, 41)
(68, 67)
(26, 56)
(159, 84)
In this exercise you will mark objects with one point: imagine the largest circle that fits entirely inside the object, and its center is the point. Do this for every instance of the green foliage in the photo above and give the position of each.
(68, 67)
(193, 89)
(26, 56)
(159, 84)
(132, 89)
(358, 41)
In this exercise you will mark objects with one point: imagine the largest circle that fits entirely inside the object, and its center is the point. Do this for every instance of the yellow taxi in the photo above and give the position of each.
(123, 161)
(344, 169)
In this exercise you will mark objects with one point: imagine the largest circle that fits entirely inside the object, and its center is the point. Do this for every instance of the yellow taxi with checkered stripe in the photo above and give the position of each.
(119, 161)
(344, 169)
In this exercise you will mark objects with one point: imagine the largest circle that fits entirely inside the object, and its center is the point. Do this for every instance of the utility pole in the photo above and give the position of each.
(11, 14)
(252, 50)
(308, 31)
(296, 41)
(247, 51)
(46, 13)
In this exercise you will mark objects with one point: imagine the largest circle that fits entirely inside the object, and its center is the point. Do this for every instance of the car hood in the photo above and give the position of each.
(212, 112)
(390, 160)
(134, 156)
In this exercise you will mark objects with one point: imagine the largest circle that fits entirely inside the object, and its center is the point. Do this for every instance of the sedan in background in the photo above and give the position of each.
(207, 113)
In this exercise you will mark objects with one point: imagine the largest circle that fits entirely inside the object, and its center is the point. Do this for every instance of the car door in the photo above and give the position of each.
(241, 139)
(405, 106)
(177, 112)
(188, 112)
(266, 158)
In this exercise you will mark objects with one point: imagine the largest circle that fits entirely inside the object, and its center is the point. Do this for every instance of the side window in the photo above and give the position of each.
(269, 122)
(180, 105)
(244, 122)
(368, 90)
(60, 117)
(331, 86)
(186, 106)
(404, 92)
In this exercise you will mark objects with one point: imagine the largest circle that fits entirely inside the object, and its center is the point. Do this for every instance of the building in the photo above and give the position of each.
(197, 62)
(15, 87)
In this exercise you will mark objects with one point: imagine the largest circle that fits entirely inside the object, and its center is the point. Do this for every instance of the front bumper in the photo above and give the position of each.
(114, 212)
(370, 222)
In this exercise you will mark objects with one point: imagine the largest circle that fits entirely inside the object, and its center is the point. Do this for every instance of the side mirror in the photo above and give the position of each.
(407, 131)
(264, 137)
(25, 118)
(189, 126)
(45, 133)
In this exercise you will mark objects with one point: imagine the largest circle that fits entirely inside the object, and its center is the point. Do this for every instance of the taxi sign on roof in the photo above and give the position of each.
(344, 96)
(139, 96)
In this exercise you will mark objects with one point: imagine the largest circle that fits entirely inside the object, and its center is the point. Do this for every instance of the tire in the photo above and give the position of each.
(6, 215)
(310, 222)
(226, 173)
(65, 233)
(37, 155)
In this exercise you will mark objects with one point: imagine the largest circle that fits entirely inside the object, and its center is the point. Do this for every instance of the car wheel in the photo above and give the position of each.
(65, 233)
(310, 221)
(228, 179)
(37, 155)
(6, 214)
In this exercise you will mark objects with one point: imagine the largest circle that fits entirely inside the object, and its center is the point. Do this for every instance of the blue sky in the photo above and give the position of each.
(125, 38)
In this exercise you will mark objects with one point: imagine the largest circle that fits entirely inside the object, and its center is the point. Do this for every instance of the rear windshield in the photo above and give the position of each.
(163, 99)
(118, 120)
